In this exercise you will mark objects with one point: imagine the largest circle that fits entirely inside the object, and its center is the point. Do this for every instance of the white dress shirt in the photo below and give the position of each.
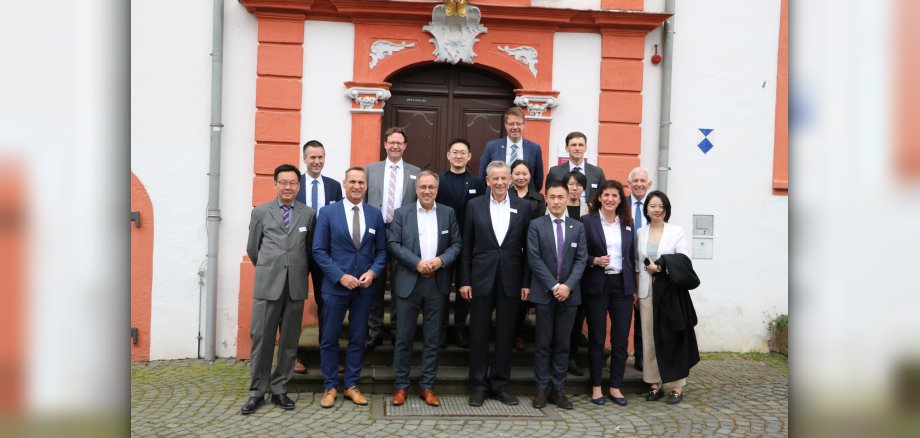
(520, 149)
(553, 223)
(427, 231)
(614, 243)
(500, 212)
(349, 213)
(398, 195)
(581, 170)
(320, 192)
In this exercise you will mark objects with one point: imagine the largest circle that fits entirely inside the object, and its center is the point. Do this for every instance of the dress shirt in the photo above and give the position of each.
(614, 243)
(520, 149)
(500, 212)
(427, 231)
(581, 170)
(398, 195)
(320, 191)
(553, 223)
(348, 217)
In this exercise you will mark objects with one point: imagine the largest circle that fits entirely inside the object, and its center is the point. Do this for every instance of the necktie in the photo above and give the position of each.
(286, 215)
(391, 194)
(576, 169)
(356, 226)
(638, 214)
(314, 195)
(514, 156)
(559, 247)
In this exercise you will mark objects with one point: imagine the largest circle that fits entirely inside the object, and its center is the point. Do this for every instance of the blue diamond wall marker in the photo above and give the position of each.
(705, 131)
(705, 145)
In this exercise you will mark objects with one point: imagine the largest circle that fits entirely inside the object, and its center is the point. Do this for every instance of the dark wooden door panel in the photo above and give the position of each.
(479, 126)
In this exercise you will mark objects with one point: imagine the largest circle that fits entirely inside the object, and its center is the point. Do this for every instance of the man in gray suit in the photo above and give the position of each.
(280, 234)
(390, 185)
(576, 144)
(424, 241)
(557, 254)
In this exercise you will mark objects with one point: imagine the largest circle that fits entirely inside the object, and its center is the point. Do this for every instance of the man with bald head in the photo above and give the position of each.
(639, 185)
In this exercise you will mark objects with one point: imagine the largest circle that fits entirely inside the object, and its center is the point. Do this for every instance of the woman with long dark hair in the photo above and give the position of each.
(608, 286)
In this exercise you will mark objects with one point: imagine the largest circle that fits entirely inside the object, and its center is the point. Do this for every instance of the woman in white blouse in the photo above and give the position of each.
(654, 240)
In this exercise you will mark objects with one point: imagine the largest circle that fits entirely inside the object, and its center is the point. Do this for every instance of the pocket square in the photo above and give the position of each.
(443, 231)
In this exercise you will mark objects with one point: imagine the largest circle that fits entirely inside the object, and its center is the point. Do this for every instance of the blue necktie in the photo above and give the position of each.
(314, 196)
(638, 214)
(559, 248)
(286, 215)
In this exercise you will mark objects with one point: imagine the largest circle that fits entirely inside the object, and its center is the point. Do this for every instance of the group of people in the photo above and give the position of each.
(580, 251)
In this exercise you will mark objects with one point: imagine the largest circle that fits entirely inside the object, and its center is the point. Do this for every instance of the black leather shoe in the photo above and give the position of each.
(373, 343)
(675, 398)
(251, 405)
(477, 398)
(462, 341)
(558, 398)
(599, 401)
(505, 397)
(539, 399)
(654, 395)
(581, 340)
(618, 400)
(638, 363)
(574, 370)
(283, 400)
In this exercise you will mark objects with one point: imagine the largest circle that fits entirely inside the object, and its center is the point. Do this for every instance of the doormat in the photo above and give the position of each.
(457, 407)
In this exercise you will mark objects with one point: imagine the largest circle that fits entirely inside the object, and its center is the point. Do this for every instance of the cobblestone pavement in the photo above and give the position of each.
(723, 397)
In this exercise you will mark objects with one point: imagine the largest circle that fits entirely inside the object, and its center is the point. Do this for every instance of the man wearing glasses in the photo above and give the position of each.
(390, 185)
(514, 147)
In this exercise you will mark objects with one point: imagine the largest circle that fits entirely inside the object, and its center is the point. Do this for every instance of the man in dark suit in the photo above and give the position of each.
(278, 246)
(390, 185)
(494, 275)
(316, 191)
(639, 184)
(455, 188)
(350, 247)
(514, 147)
(424, 241)
(576, 144)
(557, 256)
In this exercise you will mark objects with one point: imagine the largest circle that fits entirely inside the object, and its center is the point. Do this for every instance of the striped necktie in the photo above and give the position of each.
(514, 155)
(286, 215)
(391, 193)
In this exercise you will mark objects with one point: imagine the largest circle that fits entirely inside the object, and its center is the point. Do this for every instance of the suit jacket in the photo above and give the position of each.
(541, 249)
(533, 155)
(331, 188)
(484, 257)
(375, 188)
(470, 182)
(594, 174)
(334, 250)
(280, 253)
(403, 245)
(672, 241)
(593, 280)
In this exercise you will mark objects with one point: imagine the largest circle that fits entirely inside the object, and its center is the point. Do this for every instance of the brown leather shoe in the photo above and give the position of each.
(400, 397)
(299, 367)
(431, 399)
(328, 399)
(354, 394)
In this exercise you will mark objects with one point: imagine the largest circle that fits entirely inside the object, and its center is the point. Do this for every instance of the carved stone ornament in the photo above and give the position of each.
(381, 49)
(367, 98)
(527, 55)
(455, 33)
(536, 106)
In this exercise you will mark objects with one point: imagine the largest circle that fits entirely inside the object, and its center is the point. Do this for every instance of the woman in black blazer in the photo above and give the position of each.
(608, 286)
(521, 174)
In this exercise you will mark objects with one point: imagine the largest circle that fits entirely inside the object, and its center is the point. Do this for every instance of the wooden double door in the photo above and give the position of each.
(439, 102)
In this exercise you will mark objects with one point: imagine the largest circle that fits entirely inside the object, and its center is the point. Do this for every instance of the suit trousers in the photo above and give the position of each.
(267, 317)
(577, 327)
(553, 329)
(637, 334)
(375, 323)
(480, 323)
(316, 276)
(426, 298)
(358, 306)
(461, 306)
(614, 301)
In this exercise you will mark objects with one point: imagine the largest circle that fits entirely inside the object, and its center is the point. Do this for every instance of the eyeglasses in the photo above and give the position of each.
(427, 188)
(396, 143)
(287, 184)
(459, 153)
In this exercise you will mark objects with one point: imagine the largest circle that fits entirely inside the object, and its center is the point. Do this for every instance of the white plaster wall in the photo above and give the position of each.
(725, 58)
(170, 76)
(239, 106)
(326, 115)
(577, 76)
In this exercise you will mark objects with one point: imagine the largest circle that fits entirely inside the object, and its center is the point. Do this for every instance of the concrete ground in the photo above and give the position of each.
(726, 395)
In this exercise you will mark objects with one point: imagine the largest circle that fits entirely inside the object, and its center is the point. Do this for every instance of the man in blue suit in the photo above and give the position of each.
(316, 191)
(514, 147)
(350, 246)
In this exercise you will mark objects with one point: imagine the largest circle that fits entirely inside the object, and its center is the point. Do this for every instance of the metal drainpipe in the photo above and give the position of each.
(664, 131)
(217, 64)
